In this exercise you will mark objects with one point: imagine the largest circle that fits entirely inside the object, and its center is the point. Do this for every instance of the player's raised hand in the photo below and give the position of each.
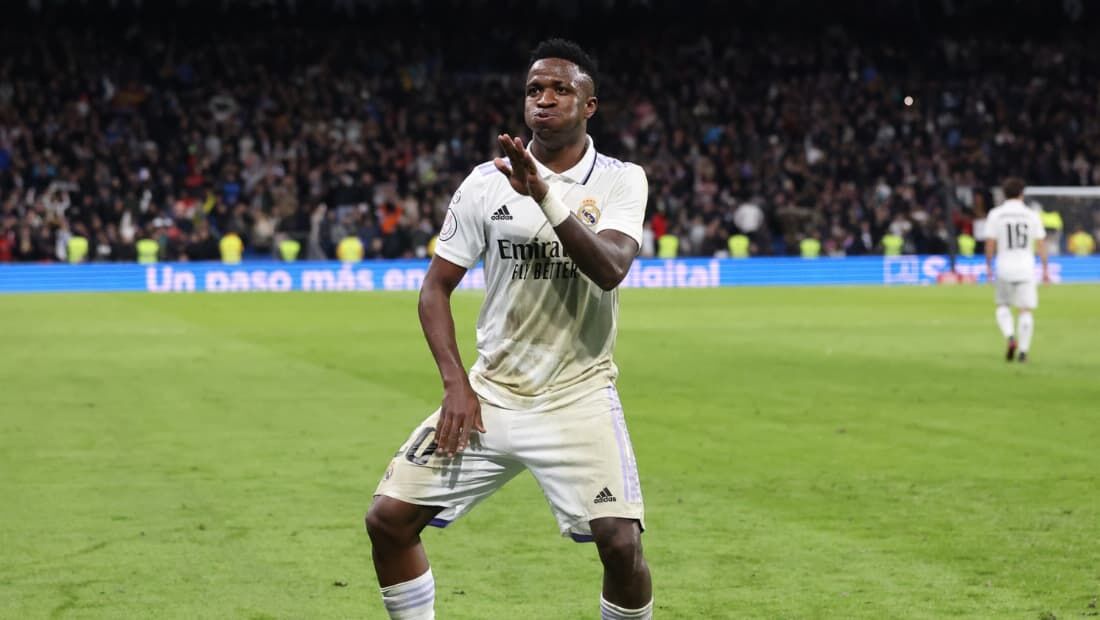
(458, 418)
(522, 174)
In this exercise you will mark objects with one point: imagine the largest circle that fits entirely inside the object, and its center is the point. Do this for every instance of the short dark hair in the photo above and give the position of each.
(1013, 187)
(566, 50)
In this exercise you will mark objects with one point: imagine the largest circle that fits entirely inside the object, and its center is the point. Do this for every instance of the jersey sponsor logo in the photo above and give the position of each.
(604, 497)
(545, 270)
(534, 260)
(589, 213)
(450, 226)
(535, 250)
(501, 214)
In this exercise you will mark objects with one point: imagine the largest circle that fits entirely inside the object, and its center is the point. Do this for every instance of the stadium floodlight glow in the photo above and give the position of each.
(1076, 191)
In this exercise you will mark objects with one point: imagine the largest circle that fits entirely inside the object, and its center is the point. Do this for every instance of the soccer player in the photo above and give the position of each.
(558, 225)
(1014, 233)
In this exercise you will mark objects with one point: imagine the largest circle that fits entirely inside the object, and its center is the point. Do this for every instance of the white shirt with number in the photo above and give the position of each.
(546, 332)
(1016, 227)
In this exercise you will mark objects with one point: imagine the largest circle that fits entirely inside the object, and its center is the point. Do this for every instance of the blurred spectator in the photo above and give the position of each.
(231, 247)
(201, 245)
(1081, 243)
(1052, 224)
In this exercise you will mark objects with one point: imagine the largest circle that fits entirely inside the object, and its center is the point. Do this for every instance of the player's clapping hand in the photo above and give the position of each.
(459, 417)
(522, 174)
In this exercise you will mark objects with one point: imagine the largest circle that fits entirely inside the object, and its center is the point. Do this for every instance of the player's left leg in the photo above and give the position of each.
(582, 458)
(1027, 329)
(627, 588)
(1027, 299)
(1003, 295)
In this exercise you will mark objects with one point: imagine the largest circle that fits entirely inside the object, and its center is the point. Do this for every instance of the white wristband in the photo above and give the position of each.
(555, 210)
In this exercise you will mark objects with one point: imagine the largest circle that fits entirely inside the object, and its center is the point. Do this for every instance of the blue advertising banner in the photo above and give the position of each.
(406, 275)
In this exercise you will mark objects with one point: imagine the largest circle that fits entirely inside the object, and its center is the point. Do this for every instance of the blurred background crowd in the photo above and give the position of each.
(210, 127)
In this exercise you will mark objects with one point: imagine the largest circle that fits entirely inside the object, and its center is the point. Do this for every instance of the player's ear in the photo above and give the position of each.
(590, 106)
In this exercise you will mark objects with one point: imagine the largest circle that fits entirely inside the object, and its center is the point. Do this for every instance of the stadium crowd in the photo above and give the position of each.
(318, 135)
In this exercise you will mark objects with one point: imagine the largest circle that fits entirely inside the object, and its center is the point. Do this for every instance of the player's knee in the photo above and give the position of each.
(392, 521)
(375, 522)
(384, 524)
(620, 546)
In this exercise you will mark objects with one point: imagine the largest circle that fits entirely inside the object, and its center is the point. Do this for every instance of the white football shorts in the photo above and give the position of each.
(1023, 294)
(579, 454)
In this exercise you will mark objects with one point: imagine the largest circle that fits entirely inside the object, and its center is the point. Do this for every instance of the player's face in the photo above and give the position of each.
(559, 100)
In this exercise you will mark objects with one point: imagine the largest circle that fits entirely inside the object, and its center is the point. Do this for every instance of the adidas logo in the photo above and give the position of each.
(604, 496)
(502, 214)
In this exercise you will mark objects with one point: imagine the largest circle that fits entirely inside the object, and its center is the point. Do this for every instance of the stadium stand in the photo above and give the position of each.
(310, 132)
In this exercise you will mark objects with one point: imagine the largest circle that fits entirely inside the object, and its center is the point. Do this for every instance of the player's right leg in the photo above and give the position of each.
(404, 575)
(1004, 293)
(422, 488)
(394, 527)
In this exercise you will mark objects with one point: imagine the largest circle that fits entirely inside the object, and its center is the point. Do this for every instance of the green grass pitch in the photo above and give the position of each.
(805, 453)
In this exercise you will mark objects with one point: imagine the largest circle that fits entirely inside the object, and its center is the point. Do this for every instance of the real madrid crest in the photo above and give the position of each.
(589, 212)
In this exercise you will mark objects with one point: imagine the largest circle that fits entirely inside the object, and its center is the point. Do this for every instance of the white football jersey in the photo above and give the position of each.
(1016, 227)
(546, 332)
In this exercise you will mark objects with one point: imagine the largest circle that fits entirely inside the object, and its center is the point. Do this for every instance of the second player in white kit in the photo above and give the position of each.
(1014, 234)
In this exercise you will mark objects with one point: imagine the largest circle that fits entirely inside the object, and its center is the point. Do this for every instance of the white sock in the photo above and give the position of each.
(1027, 327)
(611, 611)
(411, 600)
(1004, 320)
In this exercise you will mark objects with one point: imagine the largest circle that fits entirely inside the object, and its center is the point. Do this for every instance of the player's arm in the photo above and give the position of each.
(1041, 250)
(460, 414)
(1040, 234)
(990, 252)
(604, 257)
(990, 245)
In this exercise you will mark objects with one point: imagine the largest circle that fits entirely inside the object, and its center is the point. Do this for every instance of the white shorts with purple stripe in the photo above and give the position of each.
(580, 455)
